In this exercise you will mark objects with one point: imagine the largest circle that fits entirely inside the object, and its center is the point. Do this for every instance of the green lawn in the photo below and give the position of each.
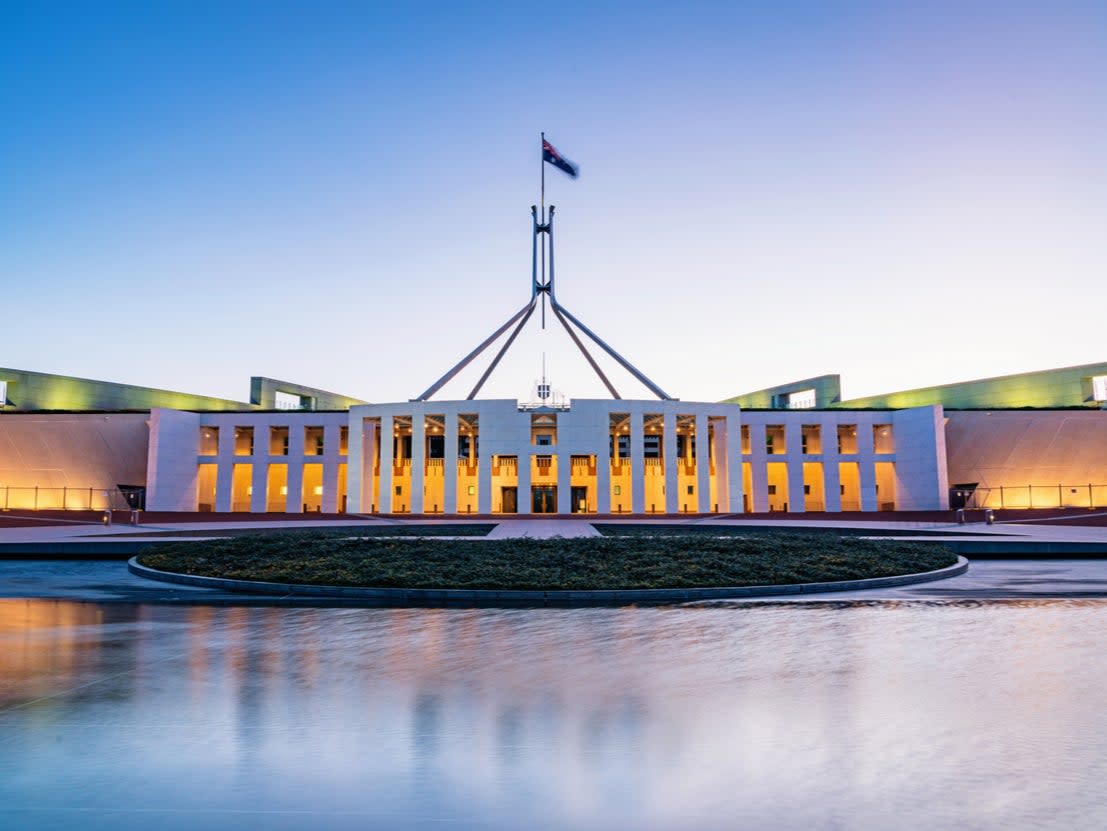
(590, 563)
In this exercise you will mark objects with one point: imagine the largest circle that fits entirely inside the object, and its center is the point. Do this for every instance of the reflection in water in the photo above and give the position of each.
(829, 715)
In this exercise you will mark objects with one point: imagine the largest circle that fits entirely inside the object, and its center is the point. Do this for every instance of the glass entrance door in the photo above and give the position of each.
(580, 499)
(544, 499)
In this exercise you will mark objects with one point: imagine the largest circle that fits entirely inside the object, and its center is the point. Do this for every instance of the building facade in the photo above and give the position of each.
(590, 456)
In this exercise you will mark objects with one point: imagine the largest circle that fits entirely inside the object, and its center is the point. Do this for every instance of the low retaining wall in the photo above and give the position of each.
(487, 597)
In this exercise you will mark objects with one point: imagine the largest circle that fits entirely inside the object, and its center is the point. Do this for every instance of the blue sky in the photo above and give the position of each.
(338, 193)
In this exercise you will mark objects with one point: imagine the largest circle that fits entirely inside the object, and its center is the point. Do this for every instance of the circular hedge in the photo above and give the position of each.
(596, 563)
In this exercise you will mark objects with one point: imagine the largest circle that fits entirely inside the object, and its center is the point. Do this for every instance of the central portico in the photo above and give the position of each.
(498, 456)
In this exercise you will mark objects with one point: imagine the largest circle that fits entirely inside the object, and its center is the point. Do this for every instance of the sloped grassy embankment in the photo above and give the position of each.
(661, 562)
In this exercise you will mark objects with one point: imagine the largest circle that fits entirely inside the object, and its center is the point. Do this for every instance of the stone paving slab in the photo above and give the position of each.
(542, 529)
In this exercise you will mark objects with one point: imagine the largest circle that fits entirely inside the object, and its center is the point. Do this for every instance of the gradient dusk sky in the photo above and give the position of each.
(338, 194)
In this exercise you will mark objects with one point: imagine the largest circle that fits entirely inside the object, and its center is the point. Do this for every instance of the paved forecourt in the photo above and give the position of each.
(74, 577)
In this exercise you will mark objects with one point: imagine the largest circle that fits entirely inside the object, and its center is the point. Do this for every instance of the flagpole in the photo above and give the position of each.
(542, 164)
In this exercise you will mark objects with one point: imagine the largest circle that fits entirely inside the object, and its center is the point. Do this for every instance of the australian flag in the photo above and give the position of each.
(550, 154)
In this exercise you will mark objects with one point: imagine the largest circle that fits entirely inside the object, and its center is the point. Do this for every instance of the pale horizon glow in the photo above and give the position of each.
(338, 195)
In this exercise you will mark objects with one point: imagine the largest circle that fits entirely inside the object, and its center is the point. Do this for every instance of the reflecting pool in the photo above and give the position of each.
(848, 715)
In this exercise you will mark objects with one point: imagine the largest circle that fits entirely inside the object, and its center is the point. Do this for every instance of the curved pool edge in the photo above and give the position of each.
(346, 595)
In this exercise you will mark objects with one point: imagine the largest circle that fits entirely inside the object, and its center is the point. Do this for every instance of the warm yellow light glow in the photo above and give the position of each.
(318, 490)
(249, 490)
(284, 490)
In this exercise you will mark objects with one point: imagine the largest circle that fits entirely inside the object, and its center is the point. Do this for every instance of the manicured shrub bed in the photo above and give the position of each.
(549, 564)
(655, 529)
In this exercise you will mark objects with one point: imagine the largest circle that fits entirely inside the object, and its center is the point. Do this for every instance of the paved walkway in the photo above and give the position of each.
(560, 527)
(542, 529)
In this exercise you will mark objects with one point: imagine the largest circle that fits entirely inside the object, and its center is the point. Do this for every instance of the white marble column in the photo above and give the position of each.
(832, 480)
(564, 481)
(703, 466)
(759, 474)
(449, 463)
(418, 458)
(673, 497)
(733, 463)
(637, 463)
(387, 505)
(523, 496)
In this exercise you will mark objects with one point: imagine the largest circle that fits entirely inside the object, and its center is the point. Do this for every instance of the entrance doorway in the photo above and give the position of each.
(509, 499)
(580, 499)
(544, 499)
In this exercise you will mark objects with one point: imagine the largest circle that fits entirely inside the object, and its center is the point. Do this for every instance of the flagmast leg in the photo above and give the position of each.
(542, 166)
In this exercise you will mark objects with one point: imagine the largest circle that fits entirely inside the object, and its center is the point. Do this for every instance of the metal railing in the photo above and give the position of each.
(35, 498)
(1038, 496)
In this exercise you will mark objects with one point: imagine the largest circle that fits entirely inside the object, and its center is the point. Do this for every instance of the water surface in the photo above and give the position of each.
(847, 715)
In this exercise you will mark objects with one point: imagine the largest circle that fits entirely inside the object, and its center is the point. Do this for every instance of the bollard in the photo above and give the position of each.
(960, 516)
(107, 517)
(134, 517)
(989, 517)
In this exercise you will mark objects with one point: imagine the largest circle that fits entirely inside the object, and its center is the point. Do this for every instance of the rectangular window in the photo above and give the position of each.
(468, 447)
(849, 477)
(205, 487)
(847, 439)
(313, 441)
(621, 443)
(278, 441)
(209, 441)
(653, 427)
(746, 438)
(811, 439)
(311, 494)
(882, 439)
(885, 486)
(774, 439)
(343, 440)
(242, 487)
(436, 447)
(543, 428)
(686, 446)
(276, 488)
(244, 441)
